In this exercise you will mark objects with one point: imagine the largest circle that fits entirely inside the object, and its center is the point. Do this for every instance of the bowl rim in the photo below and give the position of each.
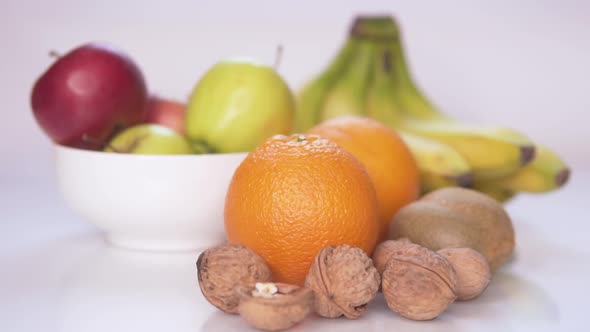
(73, 150)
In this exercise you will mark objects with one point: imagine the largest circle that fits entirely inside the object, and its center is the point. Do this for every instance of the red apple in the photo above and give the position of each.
(166, 112)
(87, 95)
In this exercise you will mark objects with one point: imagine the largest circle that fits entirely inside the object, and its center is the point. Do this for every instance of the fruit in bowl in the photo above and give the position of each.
(88, 94)
(165, 112)
(123, 160)
(237, 105)
(149, 139)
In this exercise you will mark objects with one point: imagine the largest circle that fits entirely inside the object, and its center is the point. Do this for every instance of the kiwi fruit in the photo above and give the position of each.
(457, 217)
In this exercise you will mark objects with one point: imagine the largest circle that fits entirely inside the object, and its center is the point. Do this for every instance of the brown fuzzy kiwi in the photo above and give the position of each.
(457, 217)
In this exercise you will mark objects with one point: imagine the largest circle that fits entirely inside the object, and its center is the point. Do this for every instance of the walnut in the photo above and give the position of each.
(343, 280)
(473, 271)
(274, 306)
(418, 283)
(384, 251)
(220, 269)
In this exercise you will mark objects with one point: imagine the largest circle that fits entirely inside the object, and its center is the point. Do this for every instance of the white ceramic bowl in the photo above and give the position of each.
(150, 202)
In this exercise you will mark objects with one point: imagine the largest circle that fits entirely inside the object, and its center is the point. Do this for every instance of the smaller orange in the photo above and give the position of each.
(388, 160)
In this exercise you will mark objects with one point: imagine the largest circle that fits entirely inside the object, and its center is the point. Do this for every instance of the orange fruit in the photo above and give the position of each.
(384, 154)
(294, 195)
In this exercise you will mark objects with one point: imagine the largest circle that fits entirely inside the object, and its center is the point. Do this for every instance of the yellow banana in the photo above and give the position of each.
(440, 166)
(546, 172)
(490, 151)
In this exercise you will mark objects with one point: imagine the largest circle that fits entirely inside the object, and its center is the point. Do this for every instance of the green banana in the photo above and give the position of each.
(385, 30)
(491, 151)
(546, 172)
(310, 100)
(415, 103)
(348, 95)
(439, 165)
(370, 77)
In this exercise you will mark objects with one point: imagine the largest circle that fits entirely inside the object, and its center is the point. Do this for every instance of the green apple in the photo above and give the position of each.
(149, 139)
(237, 105)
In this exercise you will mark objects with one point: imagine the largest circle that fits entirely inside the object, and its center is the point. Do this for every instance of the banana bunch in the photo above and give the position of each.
(370, 77)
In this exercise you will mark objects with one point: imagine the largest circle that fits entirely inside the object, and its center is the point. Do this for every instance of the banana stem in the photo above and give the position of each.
(375, 28)
(384, 29)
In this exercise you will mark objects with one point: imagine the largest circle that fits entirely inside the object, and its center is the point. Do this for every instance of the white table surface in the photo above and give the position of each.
(57, 274)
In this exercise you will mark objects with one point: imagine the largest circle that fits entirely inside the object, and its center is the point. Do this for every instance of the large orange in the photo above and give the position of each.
(294, 195)
(388, 160)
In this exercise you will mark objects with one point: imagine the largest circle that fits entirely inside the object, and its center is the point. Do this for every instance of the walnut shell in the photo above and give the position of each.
(473, 271)
(280, 311)
(384, 251)
(343, 280)
(220, 269)
(418, 283)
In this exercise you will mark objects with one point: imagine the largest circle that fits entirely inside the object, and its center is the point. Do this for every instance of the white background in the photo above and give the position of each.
(522, 64)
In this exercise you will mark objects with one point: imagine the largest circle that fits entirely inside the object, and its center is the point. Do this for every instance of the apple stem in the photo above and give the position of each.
(89, 139)
(116, 130)
(278, 57)
(54, 54)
